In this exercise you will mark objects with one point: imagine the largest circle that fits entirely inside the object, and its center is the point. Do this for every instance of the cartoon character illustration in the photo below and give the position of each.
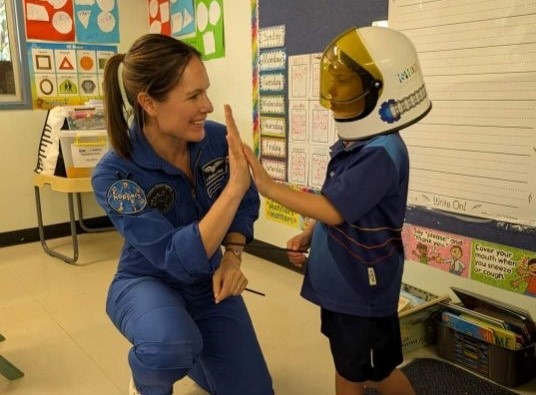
(423, 254)
(456, 266)
(527, 274)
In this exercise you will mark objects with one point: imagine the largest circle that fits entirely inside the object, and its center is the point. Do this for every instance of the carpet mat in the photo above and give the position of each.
(431, 376)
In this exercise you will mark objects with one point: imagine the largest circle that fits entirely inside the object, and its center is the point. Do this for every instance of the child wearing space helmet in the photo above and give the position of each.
(371, 81)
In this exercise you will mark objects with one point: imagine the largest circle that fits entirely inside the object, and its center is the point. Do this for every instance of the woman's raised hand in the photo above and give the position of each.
(238, 166)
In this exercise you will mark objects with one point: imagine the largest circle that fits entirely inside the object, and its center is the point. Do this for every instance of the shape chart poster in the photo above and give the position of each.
(66, 74)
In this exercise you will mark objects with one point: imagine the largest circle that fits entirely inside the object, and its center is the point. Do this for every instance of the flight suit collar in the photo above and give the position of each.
(144, 155)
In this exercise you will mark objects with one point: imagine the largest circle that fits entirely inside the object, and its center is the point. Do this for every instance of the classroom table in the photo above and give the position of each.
(73, 187)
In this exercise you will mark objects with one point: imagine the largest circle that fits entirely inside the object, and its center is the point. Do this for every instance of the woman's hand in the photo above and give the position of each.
(239, 170)
(228, 279)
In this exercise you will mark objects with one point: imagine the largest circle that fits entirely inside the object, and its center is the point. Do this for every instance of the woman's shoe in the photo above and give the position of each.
(132, 390)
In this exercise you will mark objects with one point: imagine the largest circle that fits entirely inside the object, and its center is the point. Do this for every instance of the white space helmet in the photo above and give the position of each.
(370, 78)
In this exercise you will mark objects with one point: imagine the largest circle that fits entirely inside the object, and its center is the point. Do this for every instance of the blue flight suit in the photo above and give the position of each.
(161, 297)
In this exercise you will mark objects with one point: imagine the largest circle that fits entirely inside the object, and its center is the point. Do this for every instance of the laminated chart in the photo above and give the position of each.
(66, 74)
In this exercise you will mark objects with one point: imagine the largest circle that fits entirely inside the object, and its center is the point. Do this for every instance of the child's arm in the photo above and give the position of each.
(307, 204)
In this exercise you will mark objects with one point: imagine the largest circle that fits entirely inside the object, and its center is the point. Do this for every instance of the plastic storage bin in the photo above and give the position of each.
(82, 149)
(489, 337)
(417, 323)
(505, 366)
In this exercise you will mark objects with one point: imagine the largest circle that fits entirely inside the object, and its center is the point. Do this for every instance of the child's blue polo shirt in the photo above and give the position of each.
(356, 267)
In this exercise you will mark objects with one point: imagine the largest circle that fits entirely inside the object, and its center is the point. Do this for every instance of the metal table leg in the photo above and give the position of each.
(81, 219)
(72, 219)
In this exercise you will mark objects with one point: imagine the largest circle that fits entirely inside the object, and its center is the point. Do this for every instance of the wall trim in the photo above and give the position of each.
(31, 235)
(257, 248)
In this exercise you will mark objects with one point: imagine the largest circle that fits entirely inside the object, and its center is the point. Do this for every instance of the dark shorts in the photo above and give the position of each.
(363, 348)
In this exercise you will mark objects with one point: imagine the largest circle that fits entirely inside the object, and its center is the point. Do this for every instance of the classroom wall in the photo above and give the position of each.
(230, 83)
(20, 131)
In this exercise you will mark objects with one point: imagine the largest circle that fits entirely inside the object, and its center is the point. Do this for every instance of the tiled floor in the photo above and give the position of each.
(52, 315)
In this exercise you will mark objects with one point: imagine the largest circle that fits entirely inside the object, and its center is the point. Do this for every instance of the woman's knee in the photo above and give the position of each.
(169, 354)
(166, 340)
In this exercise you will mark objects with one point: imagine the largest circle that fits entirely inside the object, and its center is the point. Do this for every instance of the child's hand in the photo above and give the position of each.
(298, 244)
(260, 176)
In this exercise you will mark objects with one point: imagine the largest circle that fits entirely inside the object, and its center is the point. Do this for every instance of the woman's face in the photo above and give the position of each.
(183, 113)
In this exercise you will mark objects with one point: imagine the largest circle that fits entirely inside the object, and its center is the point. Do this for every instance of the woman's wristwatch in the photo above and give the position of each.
(236, 252)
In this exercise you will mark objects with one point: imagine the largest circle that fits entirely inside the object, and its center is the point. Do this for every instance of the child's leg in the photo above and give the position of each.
(366, 352)
(345, 387)
(395, 384)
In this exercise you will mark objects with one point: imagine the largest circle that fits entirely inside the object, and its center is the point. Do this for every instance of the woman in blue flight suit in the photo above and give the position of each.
(177, 187)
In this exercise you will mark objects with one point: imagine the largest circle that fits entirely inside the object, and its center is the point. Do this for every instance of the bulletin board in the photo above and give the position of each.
(310, 26)
(292, 132)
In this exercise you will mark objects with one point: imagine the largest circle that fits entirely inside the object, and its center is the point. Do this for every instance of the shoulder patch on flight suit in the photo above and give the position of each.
(161, 197)
(126, 197)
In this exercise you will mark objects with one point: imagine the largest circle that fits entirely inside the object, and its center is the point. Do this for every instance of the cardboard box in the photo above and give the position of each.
(417, 321)
(82, 149)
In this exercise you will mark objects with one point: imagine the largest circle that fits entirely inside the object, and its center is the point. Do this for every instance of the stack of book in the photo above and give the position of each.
(489, 320)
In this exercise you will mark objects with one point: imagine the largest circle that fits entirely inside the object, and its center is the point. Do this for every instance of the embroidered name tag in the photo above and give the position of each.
(213, 175)
(126, 197)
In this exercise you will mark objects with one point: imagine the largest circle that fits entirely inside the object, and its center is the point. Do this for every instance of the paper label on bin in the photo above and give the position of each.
(87, 155)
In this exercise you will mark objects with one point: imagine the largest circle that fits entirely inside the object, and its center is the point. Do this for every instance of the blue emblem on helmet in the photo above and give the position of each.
(126, 197)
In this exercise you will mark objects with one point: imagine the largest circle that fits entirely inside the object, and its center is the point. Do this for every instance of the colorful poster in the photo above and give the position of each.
(66, 74)
(504, 267)
(208, 37)
(159, 17)
(182, 18)
(50, 20)
(97, 21)
(278, 213)
(500, 266)
(447, 252)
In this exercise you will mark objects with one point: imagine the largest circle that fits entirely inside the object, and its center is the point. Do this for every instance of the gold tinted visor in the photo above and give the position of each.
(347, 74)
